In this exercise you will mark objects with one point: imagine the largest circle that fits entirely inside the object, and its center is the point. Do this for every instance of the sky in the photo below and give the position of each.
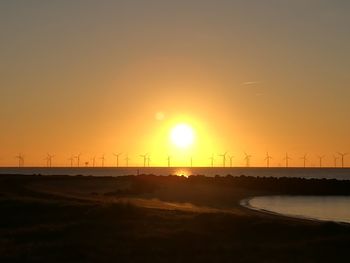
(93, 77)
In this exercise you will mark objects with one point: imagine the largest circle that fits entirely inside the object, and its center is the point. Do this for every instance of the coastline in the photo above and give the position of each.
(246, 204)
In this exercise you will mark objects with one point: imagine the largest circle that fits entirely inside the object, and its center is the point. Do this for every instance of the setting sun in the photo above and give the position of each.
(182, 135)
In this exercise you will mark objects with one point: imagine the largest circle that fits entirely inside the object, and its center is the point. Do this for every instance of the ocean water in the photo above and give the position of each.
(328, 173)
(325, 208)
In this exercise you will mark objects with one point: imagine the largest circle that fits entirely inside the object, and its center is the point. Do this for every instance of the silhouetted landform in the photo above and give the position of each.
(147, 183)
(268, 185)
(42, 220)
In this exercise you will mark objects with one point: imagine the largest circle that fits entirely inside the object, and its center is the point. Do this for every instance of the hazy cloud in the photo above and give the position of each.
(251, 83)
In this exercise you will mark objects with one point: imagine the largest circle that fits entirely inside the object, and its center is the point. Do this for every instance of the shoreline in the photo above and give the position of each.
(246, 204)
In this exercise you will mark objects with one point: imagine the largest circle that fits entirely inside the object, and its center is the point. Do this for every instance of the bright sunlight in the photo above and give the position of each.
(182, 135)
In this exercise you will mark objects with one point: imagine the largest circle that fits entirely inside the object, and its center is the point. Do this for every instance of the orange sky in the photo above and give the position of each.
(89, 77)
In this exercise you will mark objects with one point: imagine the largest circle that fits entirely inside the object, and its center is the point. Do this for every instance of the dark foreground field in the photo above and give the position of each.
(154, 219)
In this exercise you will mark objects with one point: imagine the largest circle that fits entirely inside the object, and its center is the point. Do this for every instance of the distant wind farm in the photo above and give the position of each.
(225, 160)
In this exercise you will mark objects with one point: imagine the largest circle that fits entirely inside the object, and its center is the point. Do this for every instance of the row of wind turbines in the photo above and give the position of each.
(305, 158)
(75, 160)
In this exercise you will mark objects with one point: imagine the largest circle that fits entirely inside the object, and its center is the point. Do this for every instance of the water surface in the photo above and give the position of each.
(328, 208)
(328, 173)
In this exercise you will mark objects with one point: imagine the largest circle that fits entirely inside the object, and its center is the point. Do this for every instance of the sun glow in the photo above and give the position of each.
(182, 136)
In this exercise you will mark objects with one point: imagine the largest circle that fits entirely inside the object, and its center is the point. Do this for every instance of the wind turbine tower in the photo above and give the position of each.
(287, 158)
(47, 161)
(20, 158)
(335, 158)
(223, 158)
(93, 159)
(304, 158)
(117, 156)
(102, 158)
(49, 158)
(247, 159)
(148, 160)
(342, 155)
(267, 159)
(169, 160)
(231, 157)
(78, 159)
(212, 160)
(321, 158)
(144, 156)
(71, 159)
(127, 159)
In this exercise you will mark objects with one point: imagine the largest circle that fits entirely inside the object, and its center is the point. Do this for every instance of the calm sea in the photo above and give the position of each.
(328, 173)
(327, 208)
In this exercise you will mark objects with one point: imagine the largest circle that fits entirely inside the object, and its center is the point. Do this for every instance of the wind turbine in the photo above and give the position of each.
(117, 156)
(321, 158)
(49, 160)
(93, 159)
(212, 160)
(144, 156)
(169, 159)
(287, 158)
(20, 158)
(342, 155)
(304, 158)
(223, 158)
(247, 159)
(148, 160)
(267, 159)
(71, 159)
(102, 158)
(127, 159)
(51, 157)
(335, 158)
(78, 158)
(191, 161)
(230, 157)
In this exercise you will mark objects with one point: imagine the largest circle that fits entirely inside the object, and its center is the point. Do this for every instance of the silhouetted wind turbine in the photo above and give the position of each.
(49, 160)
(102, 158)
(20, 158)
(321, 158)
(223, 158)
(287, 158)
(342, 155)
(127, 159)
(117, 156)
(335, 158)
(144, 156)
(71, 159)
(247, 159)
(267, 159)
(93, 159)
(230, 157)
(169, 159)
(212, 160)
(191, 161)
(78, 159)
(304, 158)
(148, 160)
